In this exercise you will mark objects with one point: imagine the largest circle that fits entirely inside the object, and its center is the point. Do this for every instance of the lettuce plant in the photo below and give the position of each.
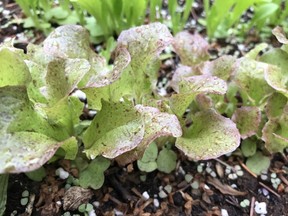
(40, 117)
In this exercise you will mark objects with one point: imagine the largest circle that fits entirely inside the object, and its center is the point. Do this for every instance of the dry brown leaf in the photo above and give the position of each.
(224, 188)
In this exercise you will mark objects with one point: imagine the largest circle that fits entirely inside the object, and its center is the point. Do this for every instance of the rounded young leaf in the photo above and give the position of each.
(248, 147)
(166, 161)
(210, 136)
(258, 162)
(147, 166)
(93, 175)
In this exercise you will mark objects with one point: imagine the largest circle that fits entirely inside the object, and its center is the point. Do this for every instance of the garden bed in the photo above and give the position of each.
(222, 186)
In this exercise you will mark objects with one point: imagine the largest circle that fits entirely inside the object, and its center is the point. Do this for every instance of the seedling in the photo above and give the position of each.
(85, 208)
(164, 162)
(25, 198)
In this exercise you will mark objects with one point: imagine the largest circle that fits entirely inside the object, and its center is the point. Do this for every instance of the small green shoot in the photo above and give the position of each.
(164, 162)
(258, 162)
(85, 208)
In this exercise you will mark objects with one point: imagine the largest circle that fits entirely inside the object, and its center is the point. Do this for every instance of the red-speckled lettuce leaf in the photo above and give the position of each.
(188, 87)
(247, 120)
(157, 124)
(210, 136)
(192, 49)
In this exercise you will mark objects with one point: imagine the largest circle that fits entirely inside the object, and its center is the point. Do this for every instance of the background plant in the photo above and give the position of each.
(42, 13)
(106, 19)
(220, 16)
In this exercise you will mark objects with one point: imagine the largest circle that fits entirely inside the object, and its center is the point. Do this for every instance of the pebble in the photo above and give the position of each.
(14, 213)
(118, 213)
(188, 178)
(80, 94)
(96, 204)
(181, 170)
(232, 176)
(227, 170)
(237, 167)
(162, 92)
(162, 194)
(62, 173)
(92, 213)
(195, 184)
(92, 113)
(213, 174)
(25, 193)
(178, 199)
(224, 212)
(59, 203)
(240, 173)
(265, 192)
(168, 188)
(208, 170)
(260, 208)
(156, 203)
(24, 201)
(264, 177)
(145, 195)
(5, 13)
(200, 168)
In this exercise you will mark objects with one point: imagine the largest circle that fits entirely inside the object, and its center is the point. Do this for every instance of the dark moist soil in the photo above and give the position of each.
(123, 189)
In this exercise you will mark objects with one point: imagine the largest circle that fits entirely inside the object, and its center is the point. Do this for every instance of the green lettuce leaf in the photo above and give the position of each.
(13, 70)
(117, 128)
(188, 87)
(203, 140)
(144, 44)
(100, 75)
(275, 105)
(24, 145)
(220, 67)
(275, 132)
(249, 75)
(68, 41)
(157, 124)
(277, 77)
(63, 76)
(29, 136)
